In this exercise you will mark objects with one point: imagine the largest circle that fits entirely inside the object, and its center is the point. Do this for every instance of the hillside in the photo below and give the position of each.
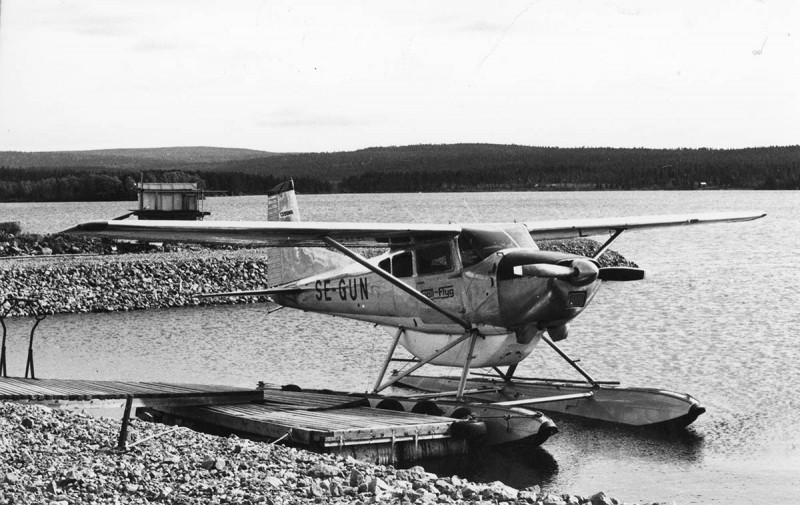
(111, 174)
(157, 158)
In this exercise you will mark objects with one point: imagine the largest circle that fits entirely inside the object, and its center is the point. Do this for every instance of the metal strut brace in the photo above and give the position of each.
(386, 362)
(425, 361)
(571, 361)
(508, 375)
(603, 247)
(465, 371)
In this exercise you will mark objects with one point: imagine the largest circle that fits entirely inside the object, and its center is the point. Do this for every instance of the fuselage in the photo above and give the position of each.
(476, 276)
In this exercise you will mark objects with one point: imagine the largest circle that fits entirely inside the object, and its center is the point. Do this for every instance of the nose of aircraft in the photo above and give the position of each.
(585, 271)
(544, 287)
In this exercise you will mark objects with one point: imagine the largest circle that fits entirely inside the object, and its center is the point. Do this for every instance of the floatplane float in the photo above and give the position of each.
(458, 295)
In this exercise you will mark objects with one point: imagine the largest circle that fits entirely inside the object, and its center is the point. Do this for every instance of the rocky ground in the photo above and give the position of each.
(65, 284)
(59, 457)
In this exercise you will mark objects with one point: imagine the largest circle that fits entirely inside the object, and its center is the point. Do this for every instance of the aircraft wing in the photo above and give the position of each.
(572, 228)
(309, 234)
(268, 233)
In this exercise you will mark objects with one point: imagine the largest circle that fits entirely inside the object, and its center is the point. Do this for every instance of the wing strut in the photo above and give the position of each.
(397, 282)
(603, 248)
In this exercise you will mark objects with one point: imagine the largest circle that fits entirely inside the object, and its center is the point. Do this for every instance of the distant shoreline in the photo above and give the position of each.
(111, 175)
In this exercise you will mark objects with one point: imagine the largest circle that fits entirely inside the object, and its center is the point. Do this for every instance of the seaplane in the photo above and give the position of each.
(464, 296)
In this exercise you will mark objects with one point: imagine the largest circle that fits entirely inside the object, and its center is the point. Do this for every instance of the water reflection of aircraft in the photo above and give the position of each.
(467, 296)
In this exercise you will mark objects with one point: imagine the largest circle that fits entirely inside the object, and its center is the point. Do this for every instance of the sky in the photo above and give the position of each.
(299, 76)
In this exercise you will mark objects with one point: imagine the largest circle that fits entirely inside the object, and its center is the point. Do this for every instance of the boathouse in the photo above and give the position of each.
(170, 200)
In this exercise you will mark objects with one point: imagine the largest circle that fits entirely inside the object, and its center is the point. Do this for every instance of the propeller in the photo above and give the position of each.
(576, 271)
(545, 270)
(621, 274)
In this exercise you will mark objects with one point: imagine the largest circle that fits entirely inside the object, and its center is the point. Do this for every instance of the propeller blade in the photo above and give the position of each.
(621, 274)
(545, 270)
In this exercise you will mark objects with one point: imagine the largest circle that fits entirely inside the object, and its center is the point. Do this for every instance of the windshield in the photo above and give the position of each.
(477, 243)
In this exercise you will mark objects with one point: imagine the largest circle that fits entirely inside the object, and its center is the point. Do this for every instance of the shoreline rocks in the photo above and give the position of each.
(61, 457)
(131, 282)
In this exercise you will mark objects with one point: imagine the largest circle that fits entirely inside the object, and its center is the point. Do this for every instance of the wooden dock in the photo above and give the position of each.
(330, 423)
(111, 394)
(334, 423)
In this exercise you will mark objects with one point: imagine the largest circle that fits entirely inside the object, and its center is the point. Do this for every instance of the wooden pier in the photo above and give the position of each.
(330, 423)
(111, 394)
(333, 423)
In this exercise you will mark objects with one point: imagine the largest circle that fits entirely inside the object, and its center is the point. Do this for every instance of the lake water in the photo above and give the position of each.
(716, 317)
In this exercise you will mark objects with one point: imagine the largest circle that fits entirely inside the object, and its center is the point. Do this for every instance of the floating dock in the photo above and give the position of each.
(327, 423)
(320, 422)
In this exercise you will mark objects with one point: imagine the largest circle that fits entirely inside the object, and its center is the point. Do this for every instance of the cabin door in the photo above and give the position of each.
(438, 278)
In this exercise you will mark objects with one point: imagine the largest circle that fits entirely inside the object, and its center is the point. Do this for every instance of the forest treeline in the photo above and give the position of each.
(57, 185)
(455, 167)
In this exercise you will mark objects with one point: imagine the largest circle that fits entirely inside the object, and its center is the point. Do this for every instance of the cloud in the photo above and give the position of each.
(484, 26)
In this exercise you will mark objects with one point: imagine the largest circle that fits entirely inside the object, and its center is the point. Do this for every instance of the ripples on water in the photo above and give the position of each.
(714, 318)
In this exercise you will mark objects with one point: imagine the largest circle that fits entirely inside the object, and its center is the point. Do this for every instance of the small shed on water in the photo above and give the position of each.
(170, 200)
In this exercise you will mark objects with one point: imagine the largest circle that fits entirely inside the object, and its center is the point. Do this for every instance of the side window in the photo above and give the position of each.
(434, 259)
(401, 265)
(469, 256)
(384, 265)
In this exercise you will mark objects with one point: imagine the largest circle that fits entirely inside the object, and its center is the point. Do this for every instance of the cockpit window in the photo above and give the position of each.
(477, 243)
(434, 259)
(401, 265)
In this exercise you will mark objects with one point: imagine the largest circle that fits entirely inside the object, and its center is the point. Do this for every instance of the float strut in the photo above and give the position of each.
(508, 375)
(463, 382)
(389, 356)
(424, 361)
(571, 361)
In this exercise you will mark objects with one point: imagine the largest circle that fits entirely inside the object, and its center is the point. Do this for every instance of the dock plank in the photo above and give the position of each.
(75, 390)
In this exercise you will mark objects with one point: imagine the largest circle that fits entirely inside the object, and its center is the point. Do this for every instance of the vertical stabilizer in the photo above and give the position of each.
(287, 264)
(282, 203)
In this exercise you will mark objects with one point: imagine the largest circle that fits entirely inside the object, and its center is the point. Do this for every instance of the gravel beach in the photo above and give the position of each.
(61, 457)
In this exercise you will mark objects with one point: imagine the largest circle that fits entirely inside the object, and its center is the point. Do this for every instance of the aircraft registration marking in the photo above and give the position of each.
(439, 293)
(344, 289)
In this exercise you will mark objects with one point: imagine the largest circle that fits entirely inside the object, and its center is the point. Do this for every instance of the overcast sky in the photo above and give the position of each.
(342, 75)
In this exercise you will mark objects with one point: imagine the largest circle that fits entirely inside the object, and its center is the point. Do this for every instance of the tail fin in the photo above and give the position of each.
(289, 264)
(282, 203)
